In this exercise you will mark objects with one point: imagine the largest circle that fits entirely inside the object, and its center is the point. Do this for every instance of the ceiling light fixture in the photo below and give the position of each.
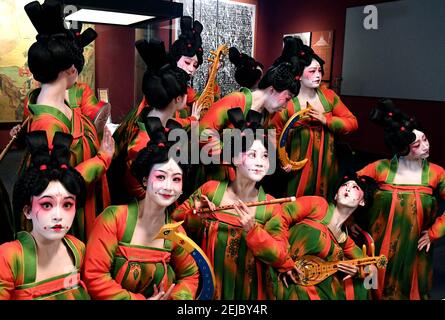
(132, 13)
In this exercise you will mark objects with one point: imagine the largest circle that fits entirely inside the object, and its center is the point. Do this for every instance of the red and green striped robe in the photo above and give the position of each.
(18, 270)
(240, 260)
(80, 95)
(84, 157)
(117, 269)
(308, 218)
(398, 215)
(315, 141)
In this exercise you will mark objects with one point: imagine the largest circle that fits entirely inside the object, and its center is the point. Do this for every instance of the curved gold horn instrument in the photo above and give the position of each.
(282, 153)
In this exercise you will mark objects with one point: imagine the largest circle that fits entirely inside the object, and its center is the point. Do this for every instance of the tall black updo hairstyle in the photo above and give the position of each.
(295, 50)
(162, 80)
(189, 42)
(82, 39)
(47, 164)
(250, 129)
(398, 126)
(157, 149)
(55, 49)
(247, 70)
(291, 46)
(366, 183)
(280, 77)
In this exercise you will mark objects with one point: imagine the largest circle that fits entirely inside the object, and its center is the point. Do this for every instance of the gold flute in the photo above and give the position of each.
(248, 204)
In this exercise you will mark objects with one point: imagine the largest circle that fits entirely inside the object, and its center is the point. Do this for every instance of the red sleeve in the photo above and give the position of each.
(269, 242)
(370, 170)
(10, 254)
(438, 228)
(341, 120)
(89, 104)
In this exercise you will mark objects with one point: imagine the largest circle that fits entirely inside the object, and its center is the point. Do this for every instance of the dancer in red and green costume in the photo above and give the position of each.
(275, 90)
(57, 72)
(124, 260)
(165, 87)
(314, 139)
(46, 262)
(403, 220)
(316, 228)
(80, 95)
(187, 53)
(243, 242)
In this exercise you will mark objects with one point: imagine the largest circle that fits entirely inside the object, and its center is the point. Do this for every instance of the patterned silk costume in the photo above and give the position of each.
(315, 141)
(117, 269)
(308, 219)
(396, 219)
(91, 164)
(240, 260)
(18, 270)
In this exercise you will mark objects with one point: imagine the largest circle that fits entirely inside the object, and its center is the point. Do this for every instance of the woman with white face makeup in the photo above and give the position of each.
(45, 263)
(124, 260)
(243, 242)
(317, 228)
(187, 53)
(165, 91)
(55, 60)
(403, 219)
(315, 138)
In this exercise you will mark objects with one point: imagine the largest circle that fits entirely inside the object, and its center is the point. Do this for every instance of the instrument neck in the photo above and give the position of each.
(355, 262)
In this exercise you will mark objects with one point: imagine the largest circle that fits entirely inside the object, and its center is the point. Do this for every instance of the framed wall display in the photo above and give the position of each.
(322, 42)
(224, 21)
(102, 95)
(304, 36)
(17, 34)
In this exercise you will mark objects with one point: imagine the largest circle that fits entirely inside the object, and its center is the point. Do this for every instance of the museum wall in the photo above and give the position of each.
(280, 17)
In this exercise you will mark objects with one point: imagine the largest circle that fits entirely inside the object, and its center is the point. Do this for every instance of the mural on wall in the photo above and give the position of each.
(16, 36)
(227, 22)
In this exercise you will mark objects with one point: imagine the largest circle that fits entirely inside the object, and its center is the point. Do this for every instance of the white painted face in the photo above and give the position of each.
(420, 148)
(350, 195)
(52, 212)
(312, 75)
(164, 184)
(277, 101)
(254, 163)
(188, 64)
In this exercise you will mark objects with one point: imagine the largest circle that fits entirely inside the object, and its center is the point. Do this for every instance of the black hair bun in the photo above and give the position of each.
(398, 126)
(247, 70)
(162, 81)
(189, 42)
